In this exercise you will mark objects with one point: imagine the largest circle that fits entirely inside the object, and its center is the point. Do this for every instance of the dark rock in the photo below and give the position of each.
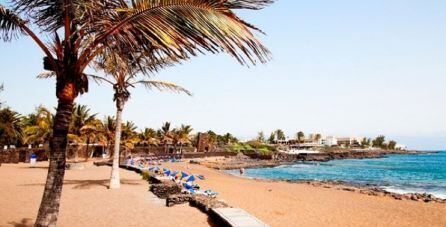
(178, 199)
(205, 203)
(165, 189)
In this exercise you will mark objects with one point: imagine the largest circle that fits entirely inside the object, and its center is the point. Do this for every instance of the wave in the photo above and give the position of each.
(438, 194)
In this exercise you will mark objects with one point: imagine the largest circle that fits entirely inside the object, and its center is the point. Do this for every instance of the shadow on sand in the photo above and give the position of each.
(87, 184)
(34, 167)
(25, 222)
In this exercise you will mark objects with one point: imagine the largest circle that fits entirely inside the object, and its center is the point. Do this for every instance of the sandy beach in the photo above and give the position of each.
(289, 204)
(86, 201)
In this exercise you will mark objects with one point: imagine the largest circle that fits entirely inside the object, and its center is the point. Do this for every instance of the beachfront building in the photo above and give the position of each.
(400, 147)
(319, 140)
(330, 141)
(349, 141)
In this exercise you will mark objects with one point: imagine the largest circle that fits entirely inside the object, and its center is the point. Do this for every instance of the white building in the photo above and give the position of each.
(330, 141)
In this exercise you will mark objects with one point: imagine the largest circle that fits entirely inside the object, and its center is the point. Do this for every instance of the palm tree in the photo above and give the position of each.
(260, 137)
(81, 30)
(108, 130)
(300, 136)
(183, 136)
(318, 137)
(149, 137)
(272, 138)
(10, 127)
(129, 135)
(92, 132)
(38, 127)
(280, 135)
(123, 77)
(166, 135)
(81, 117)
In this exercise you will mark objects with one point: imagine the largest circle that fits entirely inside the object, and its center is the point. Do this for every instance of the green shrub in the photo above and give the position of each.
(145, 175)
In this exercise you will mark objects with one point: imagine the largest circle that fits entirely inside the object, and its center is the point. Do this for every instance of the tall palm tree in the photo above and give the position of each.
(38, 127)
(123, 75)
(10, 127)
(80, 30)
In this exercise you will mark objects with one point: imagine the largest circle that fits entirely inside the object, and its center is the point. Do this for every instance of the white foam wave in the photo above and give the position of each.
(441, 195)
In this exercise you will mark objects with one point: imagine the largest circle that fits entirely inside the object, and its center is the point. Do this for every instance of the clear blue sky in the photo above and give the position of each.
(340, 67)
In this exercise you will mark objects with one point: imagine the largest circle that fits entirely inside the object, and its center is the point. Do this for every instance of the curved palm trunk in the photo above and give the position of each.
(49, 207)
(115, 179)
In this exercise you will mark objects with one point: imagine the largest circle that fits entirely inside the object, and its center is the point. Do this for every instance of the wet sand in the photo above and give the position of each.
(86, 201)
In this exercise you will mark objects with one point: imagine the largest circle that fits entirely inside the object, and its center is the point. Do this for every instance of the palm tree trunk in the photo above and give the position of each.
(87, 154)
(76, 154)
(114, 178)
(49, 207)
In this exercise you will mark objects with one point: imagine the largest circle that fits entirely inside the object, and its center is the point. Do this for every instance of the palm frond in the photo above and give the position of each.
(46, 75)
(99, 79)
(10, 24)
(180, 28)
(160, 85)
(248, 4)
(47, 14)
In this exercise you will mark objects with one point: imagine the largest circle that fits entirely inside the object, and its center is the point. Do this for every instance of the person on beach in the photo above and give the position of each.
(242, 171)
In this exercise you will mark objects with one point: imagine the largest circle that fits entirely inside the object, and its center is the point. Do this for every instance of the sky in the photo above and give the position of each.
(340, 67)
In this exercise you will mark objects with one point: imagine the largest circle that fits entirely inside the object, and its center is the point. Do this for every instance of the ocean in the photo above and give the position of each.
(422, 173)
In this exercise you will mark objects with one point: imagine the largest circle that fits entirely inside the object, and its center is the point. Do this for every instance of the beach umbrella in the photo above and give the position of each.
(167, 172)
(183, 175)
(191, 178)
(194, 177)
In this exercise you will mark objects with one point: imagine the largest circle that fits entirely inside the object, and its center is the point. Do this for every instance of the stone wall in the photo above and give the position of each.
(165, 189)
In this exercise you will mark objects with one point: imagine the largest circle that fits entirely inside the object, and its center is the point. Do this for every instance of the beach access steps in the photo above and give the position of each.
(236, 217)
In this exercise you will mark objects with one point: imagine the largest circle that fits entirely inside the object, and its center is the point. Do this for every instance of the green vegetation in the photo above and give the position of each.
(366, 143)
(252, 147)
(11, 131)
(261, 137)
(300, 136)
(280, 135)
(379, 141)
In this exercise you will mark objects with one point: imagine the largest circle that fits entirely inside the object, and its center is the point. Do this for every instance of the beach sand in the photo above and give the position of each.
(86, 201)
(291, 204)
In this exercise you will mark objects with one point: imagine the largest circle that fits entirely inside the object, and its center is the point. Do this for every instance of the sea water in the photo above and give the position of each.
(421, 173)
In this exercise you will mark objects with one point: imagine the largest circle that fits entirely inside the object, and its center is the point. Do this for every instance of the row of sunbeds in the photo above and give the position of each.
(185, 180)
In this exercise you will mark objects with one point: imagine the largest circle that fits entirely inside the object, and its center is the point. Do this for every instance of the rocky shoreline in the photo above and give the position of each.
(373, 191)
(242, 161)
